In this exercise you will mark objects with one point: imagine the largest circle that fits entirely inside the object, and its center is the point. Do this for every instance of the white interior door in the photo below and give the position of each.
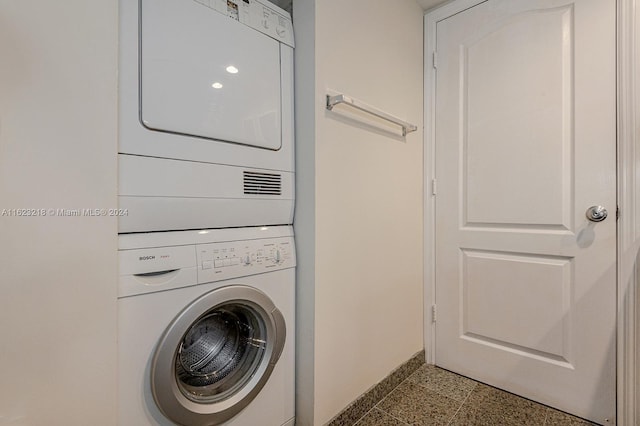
(525, 144)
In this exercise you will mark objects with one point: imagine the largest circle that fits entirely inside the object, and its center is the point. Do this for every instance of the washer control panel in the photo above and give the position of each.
(218, 261)
(158, 261)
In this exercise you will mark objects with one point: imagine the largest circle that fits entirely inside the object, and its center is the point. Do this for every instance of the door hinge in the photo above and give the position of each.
(433, 313)
(617, 212)
(434, 189)
(435, 59)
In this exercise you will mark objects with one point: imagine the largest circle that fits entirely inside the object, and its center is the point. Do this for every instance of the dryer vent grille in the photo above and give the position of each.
(262, 183)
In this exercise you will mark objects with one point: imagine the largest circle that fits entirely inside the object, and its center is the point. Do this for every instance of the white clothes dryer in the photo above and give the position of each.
(206, 328)
(205, 114)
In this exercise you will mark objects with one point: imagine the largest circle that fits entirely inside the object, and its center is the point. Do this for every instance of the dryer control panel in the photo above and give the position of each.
(261, 15)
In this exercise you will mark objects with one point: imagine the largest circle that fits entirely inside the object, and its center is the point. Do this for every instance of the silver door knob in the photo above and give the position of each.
(596, 213)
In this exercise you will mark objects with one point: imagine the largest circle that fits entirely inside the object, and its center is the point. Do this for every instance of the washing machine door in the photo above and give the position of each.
(216, 355)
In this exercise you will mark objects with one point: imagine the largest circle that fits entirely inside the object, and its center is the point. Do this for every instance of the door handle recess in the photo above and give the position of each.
(596, 213)
(155, 274)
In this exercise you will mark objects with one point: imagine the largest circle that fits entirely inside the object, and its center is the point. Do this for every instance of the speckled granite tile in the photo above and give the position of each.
(468, 416)
(443, 382)
(417, 405)
(350, 415)
(358, 408)
(558, 418)
(488, 404)
(396, 377)
(376, 417)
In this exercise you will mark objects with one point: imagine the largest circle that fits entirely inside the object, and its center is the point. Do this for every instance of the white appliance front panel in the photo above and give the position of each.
(159, 194)
(143, 318)
(135, 138)
(207, 75)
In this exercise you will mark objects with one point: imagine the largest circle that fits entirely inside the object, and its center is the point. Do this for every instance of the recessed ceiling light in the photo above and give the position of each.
(216, 85)
(232, 70)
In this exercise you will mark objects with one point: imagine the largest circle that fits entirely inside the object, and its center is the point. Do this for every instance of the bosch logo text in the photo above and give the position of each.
(147, 257)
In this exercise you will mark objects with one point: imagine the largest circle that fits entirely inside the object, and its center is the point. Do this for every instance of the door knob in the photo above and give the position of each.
(596, 213)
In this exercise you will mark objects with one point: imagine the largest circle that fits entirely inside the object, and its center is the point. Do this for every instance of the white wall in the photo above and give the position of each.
(635, 186)
(360, 243)
(58, 144)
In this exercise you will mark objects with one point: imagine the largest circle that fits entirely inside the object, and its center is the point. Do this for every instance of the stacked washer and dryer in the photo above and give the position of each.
(206, 173)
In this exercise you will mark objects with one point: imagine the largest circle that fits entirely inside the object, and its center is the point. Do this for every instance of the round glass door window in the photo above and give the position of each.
(216, 355)
(220, 352)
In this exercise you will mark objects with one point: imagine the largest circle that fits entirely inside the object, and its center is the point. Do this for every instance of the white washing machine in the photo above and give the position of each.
(206, 327)
(205, 114)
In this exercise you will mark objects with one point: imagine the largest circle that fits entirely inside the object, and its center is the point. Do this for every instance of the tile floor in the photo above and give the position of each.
(433, 396)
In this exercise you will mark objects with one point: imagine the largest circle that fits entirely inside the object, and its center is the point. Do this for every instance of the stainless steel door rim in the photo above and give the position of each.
(216, 355)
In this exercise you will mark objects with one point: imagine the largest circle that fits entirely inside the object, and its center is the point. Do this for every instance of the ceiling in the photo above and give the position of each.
(430, 4)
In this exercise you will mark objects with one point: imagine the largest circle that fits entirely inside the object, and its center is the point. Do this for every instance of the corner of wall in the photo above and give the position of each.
(304, 219)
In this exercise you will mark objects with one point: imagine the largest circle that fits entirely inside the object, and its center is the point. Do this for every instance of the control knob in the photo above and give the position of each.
(277, 256)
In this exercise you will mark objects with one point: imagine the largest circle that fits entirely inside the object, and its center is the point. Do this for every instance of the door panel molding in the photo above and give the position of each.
(525, 75)
(546, 298)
